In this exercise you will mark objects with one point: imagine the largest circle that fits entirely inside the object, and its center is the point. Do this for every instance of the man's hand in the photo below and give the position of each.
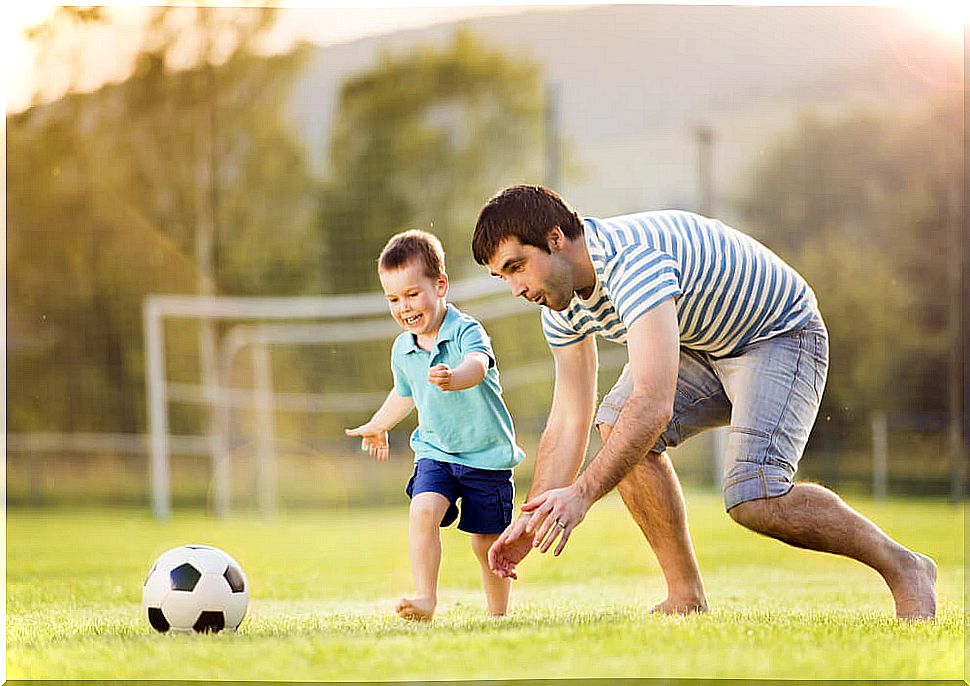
(510, 548)
(373, 439)
(441, 376)
(555, 514)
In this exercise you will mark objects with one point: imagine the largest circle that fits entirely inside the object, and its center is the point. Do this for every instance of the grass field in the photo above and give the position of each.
(323, 584)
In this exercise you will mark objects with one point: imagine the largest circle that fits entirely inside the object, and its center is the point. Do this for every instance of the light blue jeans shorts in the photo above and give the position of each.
(768, 393)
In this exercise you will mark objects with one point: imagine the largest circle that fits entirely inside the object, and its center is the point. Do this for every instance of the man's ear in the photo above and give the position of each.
(555, 239)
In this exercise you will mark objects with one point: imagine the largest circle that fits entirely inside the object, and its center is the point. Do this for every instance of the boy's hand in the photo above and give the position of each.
(441, 376)
(373, 440)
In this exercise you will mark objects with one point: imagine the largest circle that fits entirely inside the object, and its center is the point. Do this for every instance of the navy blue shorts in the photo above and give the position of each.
(486, 494)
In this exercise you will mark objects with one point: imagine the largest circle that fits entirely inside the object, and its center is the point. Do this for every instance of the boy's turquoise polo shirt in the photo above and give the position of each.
(470, 427)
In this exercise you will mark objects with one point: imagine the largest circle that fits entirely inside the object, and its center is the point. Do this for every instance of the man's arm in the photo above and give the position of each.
(653, 341)
(561, 447)
(563, 443)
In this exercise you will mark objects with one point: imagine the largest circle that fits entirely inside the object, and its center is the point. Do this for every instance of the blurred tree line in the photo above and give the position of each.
(867, 207)
(180, 175)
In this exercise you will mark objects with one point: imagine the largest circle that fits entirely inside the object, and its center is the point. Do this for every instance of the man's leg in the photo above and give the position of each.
(813, 517)
(775, 387)
(651, 492)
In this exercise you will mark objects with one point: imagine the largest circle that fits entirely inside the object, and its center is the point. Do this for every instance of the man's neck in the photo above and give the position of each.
(584, 276)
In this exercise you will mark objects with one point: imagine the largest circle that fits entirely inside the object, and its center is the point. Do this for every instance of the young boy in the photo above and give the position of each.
(464, 446)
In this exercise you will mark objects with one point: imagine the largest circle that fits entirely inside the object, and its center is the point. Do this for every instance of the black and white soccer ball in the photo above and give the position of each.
(195, 588)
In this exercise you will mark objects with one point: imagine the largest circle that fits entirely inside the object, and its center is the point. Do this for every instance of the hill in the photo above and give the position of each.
(633, 80)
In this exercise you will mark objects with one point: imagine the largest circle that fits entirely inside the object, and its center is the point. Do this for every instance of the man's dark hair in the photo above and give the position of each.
(524, 212)
(413, 245)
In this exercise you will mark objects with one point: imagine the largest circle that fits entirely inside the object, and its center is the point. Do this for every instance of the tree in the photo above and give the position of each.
(421, 140)
(104, 205)
(862, 206)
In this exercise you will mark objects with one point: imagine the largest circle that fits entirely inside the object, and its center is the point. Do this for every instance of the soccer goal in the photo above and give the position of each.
(252, 332)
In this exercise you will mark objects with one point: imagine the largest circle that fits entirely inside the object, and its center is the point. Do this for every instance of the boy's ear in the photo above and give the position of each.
(441, 285)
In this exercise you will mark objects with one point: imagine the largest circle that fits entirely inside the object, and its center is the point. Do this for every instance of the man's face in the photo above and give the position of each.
(532, 273)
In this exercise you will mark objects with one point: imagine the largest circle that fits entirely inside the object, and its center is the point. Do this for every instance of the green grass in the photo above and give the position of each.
(323, 584)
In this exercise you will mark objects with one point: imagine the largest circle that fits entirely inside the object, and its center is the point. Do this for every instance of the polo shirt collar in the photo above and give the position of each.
(445, 332)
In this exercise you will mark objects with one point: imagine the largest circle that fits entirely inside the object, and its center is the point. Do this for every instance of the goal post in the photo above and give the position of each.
(259, 324)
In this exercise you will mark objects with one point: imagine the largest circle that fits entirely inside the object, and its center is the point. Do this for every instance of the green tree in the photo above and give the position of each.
(103, 208)
(421, 140)
(863, 206)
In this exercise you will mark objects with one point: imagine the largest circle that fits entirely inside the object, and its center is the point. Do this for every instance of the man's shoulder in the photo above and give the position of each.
(645, 221)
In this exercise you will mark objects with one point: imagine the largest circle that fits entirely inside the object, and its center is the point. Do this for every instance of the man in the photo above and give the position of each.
(719, 331)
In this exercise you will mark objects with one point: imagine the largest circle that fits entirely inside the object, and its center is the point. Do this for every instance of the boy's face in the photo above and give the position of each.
(416, 301)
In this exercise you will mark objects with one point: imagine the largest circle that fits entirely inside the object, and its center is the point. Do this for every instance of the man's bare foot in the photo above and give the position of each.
(680, 606)
(914, 590)
(416, 609)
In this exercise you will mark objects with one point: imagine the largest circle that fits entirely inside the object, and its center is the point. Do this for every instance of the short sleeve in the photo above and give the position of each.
(557, 329)
(642, 278)
(401, 385)
(473, 339)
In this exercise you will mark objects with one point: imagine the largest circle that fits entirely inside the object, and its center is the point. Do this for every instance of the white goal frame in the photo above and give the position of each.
(263, 328)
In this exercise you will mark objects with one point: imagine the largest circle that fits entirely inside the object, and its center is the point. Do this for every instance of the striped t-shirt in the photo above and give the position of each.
(728, 289)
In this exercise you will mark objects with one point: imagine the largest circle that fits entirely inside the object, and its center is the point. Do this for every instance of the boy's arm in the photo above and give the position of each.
(469, 373)
(374, 433)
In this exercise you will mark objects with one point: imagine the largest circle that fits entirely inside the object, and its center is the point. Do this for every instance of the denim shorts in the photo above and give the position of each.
(768, 393)
(486, 494)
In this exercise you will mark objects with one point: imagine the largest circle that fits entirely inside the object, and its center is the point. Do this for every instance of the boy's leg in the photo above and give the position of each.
(424, 543)
(486, 510)
(496, 588)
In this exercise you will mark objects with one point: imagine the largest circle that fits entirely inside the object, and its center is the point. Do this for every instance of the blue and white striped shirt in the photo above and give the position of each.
(728, 289)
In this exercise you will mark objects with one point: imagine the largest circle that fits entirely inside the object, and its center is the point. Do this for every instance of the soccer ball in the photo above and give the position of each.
(195, 588)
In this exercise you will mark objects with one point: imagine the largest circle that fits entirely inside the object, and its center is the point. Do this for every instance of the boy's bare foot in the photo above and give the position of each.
(680, 606)
(416, 609)
(914, 590)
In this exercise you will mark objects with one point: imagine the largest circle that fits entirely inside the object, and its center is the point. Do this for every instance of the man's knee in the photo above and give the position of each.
(752, 514)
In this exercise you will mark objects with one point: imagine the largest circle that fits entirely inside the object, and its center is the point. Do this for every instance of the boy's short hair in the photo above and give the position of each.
(413, 245)
(524, 212)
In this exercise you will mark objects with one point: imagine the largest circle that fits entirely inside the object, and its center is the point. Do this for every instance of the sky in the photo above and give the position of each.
(330, 24)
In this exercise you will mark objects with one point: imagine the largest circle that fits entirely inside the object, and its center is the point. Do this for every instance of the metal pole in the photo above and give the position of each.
(705, 168)
(954, 225)
(266, 474)
(964, 223)
(704, 135)
(157, 409)
(205, 249)
(880, 454)
(552, 139)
